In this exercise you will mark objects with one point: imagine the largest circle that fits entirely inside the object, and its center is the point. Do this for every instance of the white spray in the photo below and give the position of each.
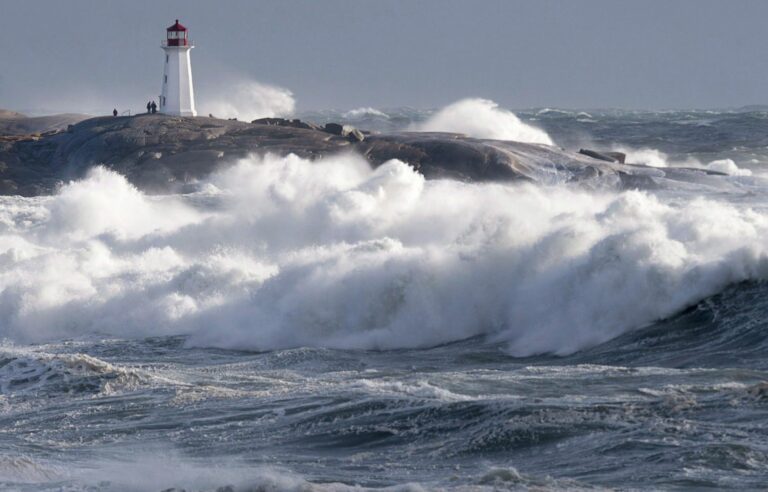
(481, 118)
(249, 100)
(282, 252)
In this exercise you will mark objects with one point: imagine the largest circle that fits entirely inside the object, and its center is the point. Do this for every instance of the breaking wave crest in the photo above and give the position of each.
(481, 118)
(283, 252)
(656, 158)
(364, 112)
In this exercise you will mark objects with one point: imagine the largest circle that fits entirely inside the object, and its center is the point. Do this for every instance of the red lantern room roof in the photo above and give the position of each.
(177, 27)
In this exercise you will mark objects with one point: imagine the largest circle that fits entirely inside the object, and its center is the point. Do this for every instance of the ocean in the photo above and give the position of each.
(292, 325)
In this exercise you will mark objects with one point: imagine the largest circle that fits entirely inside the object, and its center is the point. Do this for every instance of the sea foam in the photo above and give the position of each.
(282, 252)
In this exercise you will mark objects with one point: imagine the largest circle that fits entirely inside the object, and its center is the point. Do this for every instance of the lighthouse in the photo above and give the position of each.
(178, 96)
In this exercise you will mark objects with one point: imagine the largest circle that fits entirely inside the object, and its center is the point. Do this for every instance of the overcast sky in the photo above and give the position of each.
(95, 54)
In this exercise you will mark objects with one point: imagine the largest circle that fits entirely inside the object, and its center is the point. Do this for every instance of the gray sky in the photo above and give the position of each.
(95, 54)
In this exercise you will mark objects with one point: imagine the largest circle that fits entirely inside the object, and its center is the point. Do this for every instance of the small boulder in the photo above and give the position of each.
(305, 124)
(355, 135)
(348, 131)
(270, 121)
(333, 128)
(601, 156)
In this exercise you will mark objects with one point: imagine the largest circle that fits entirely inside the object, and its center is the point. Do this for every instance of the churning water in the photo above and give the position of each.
(322, 326)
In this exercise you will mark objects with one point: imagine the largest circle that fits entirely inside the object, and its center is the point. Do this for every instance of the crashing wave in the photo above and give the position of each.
(481, 118)
(284, 252)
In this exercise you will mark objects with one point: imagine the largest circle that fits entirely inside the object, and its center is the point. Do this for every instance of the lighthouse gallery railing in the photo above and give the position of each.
(164, 44)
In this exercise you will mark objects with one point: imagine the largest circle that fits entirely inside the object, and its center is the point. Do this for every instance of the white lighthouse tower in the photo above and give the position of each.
(178, 96)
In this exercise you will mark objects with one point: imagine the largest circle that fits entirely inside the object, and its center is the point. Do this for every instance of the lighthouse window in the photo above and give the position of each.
(165, 79)
(166, 58)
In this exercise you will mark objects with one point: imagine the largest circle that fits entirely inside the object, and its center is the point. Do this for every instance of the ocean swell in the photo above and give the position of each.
(280, 252)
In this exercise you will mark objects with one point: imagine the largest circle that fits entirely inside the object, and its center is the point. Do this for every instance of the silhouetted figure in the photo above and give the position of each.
(154, 107)
(149, 107)
(114, 112)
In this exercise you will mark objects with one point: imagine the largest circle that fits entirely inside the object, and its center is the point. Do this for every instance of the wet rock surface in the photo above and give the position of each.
(160, 153)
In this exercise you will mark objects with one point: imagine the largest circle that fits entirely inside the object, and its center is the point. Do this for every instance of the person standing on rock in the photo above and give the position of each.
(154, 107)
(149, 107)
(114, 112)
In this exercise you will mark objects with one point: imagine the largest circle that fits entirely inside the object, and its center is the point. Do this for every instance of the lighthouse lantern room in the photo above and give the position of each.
(177, 96)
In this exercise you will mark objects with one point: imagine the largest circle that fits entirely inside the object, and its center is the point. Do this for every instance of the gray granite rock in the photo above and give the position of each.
(160, 153)
(286, 122)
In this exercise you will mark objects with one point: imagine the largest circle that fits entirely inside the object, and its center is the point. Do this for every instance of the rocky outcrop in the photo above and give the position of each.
(156, 152)
(160, 153)
(289, 123)
(12, 123)
(347, 131)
